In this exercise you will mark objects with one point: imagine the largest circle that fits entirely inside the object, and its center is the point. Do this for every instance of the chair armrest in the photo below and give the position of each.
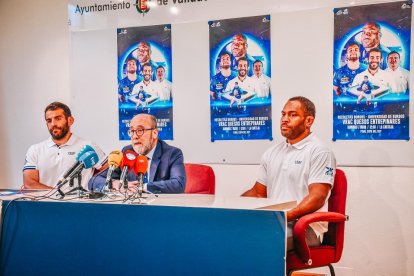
(299, 230)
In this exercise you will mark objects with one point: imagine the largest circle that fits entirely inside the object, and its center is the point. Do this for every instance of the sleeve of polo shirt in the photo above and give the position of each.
(30, 162)
(102, 156)
(323, 168)
(262, 178)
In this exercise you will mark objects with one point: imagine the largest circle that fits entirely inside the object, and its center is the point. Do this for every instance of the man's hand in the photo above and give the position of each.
(318, 193)
(258, 190)
(132, 187)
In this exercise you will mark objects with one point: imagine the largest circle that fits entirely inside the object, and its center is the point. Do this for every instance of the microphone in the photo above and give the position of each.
(86, 161)
(127, 164)
(114, 161)
(141, 166)
(89, 159)
(75, 166)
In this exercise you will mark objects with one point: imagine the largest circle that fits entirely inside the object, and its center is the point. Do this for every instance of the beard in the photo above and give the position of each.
(292, 133)
(353, 58)
(63, 132)
(373, 65)
(144, 148)
(370, 43)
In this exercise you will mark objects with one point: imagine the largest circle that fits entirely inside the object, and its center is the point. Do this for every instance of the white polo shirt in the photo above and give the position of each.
(399, 79)
(248, 84)
(263, 85)
(379, 78)
(164, 89)
(150, 88)
(53, 161)
(287, 170)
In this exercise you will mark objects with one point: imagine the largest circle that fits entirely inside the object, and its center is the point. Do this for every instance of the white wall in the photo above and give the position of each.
(379, 236)
(34, 70)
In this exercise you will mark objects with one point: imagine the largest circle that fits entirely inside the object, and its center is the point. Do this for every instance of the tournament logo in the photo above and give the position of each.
(142, 6)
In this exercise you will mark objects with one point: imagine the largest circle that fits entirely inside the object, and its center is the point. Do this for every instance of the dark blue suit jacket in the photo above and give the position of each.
(167, 174)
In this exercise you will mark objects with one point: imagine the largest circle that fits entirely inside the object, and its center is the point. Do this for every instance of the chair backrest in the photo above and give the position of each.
(200, 179)
(337, 200)
(337, 203)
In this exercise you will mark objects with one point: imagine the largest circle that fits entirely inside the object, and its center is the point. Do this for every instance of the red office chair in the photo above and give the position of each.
(200, 179)
(330, 251)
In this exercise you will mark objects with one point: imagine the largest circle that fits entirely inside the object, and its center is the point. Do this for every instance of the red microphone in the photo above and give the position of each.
(127, 164)
(141, 166)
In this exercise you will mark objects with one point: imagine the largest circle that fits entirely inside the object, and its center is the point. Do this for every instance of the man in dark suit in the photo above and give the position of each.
(165, 173)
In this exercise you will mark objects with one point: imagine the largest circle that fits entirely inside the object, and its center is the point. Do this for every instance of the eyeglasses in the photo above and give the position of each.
(138, 132)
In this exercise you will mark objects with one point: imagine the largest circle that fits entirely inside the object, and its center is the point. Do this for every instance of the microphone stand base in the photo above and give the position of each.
(96, 195)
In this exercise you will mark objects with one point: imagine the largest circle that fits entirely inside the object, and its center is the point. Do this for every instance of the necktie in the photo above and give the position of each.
(146, 173)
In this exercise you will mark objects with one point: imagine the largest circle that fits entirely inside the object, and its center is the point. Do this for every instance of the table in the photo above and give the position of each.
(159, 238)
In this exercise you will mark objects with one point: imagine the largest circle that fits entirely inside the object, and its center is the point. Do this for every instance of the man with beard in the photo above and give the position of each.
(219, 81)
(370, 39)
(399, 77)
(149, 86)
(47, 161)
(166, 172)
(299, 169)
(239, 50)
(245, 82)
(127, 84)
(375, 74)
(144, 57)
(345, 75)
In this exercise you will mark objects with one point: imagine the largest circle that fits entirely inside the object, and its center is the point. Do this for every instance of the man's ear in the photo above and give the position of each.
(309, 121)
(71, 120)
(155, 133)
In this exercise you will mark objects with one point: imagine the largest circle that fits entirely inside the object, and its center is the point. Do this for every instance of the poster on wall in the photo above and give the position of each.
(145, 77)
(240, 92)
(371, 72)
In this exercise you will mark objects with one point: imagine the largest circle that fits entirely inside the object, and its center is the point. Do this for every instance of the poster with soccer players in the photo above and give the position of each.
(145, 77)
(371, 72)
(240, 94)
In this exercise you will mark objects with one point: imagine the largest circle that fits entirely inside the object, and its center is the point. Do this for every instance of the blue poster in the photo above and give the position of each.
(371, 72)
(145, 77)
(240, 94)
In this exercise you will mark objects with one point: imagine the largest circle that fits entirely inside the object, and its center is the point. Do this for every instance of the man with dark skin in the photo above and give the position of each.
(298, 169)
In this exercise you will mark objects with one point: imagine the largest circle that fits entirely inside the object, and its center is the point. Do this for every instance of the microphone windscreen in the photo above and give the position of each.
(83, 150)
(89, 159)
(128, 159)
(115, 158)
(141, 165)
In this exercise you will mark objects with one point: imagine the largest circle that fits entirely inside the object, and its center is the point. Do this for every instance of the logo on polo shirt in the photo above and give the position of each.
(298, 162)
(71, 153)
(329, 171)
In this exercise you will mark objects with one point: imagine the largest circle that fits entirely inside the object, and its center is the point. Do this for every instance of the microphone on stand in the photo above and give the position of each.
(86, 161)
(75, 166)
(141, 166)
(127, 164)
(114, 161)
